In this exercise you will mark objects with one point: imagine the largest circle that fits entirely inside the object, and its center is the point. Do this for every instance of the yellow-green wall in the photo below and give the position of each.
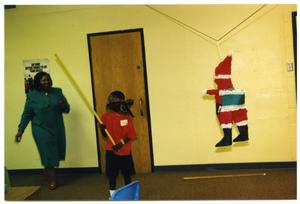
(180, 65)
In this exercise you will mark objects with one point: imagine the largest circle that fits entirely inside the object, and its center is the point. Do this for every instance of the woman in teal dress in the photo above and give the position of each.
(44, 107)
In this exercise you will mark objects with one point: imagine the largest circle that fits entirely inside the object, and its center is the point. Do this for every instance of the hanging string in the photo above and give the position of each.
(255, 12)
(201, 34)
(185, 26)
(219, 50)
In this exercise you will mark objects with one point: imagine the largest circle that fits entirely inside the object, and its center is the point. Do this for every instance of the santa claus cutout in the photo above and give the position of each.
(230, 104)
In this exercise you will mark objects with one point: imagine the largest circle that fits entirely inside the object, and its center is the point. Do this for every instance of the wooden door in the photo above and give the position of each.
(117, 63)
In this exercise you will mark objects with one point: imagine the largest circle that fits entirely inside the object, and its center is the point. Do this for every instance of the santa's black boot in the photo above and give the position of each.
(226, 140)
(243, 136)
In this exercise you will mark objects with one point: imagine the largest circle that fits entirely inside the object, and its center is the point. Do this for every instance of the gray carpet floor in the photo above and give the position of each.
(276, 184)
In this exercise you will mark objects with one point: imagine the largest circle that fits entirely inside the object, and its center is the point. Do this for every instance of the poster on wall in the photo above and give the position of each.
(31, 67)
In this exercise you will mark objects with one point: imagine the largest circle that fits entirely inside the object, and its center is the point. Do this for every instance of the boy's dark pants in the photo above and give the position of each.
(116, 163)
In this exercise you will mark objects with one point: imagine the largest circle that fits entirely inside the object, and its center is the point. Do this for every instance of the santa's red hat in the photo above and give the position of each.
(223, 74)
(224, 67)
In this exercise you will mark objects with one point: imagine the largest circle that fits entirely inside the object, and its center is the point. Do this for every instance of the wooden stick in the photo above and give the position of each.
(222, 176)
(88, 105)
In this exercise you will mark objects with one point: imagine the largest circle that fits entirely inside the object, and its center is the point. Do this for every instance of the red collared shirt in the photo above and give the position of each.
(119, 126)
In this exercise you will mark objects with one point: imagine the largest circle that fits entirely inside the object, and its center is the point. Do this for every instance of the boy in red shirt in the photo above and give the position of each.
(118, 122)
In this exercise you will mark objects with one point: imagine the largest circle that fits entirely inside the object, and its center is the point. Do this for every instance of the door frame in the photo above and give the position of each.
(294, 27)
(140, 30)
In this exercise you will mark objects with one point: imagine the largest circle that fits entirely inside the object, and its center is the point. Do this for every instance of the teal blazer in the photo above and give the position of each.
(48, 130)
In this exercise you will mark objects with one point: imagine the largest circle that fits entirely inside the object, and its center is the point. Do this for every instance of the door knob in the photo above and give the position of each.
(141, 102)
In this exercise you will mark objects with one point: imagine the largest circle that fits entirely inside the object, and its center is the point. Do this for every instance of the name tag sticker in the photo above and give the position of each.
(124, 122)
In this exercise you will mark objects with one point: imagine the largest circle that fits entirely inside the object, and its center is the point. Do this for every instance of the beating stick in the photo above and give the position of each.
(86, 102)
(222, 176)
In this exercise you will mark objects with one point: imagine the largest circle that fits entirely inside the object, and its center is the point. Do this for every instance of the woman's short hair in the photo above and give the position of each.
(37, 79)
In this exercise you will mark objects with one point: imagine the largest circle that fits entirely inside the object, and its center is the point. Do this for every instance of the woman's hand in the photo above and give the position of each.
(62, 105)
(18, 137)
